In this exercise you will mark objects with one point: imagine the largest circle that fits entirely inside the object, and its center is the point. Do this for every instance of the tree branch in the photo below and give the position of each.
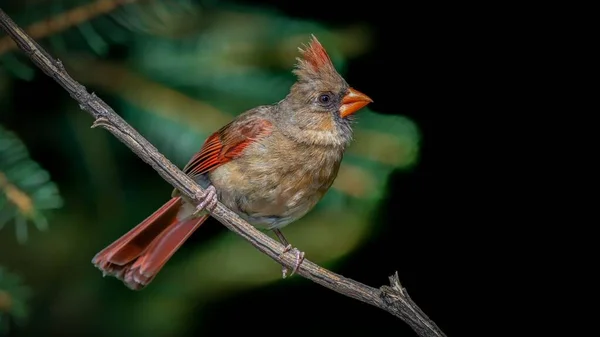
(393, 299)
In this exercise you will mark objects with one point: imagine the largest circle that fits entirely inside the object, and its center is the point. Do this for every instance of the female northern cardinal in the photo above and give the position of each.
(270, 165)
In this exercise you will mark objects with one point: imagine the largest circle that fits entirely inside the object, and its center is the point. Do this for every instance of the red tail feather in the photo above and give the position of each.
(136, 257)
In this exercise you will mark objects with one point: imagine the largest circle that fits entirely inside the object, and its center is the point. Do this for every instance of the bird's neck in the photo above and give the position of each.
(316, 137)
(320, 129)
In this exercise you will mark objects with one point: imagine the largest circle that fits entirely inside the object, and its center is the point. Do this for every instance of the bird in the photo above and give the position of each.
(270, 165)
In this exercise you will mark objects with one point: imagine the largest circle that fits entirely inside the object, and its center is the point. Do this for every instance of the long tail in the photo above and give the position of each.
(136, 257)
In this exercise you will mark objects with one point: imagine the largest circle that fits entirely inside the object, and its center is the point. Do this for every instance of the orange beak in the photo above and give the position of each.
(353, 101)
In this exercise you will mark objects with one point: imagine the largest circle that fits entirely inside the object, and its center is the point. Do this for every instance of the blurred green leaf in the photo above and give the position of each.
(13, 300)
(26, 191)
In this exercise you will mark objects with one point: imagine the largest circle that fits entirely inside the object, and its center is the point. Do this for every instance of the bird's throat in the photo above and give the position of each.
(319, 137)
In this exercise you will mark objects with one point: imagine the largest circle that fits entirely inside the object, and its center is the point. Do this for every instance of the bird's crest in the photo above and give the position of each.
(314, 61)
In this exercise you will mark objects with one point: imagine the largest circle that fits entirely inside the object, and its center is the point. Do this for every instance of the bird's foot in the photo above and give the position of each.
(208, 200)
(299, 260)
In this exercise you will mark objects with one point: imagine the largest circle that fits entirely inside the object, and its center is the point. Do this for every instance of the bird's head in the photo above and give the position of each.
(321, 104)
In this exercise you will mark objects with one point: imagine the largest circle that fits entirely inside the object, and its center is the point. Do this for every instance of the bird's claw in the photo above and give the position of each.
(299, 260)
(208, 200)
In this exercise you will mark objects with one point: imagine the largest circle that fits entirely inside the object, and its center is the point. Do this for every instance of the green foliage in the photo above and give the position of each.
(13, 300)
(26, 191)
(83, 36)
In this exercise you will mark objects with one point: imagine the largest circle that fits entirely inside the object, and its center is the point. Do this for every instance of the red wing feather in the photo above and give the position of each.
(226, 144)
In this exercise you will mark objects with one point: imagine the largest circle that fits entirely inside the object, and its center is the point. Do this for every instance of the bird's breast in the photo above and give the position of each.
(272, 185)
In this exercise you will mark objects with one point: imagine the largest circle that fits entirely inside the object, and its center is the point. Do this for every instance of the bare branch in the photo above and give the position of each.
(393, 299)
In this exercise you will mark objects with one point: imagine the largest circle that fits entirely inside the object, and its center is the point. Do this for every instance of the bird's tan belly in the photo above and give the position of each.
(276, 195)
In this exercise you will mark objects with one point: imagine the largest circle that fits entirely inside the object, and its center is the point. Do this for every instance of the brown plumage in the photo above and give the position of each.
(271, 165)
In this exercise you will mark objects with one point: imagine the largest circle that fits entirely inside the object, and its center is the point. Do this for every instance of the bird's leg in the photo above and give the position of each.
(288, 247)
(208, 200)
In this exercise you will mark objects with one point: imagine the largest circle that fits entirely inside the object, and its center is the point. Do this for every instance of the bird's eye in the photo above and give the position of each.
(325, 98)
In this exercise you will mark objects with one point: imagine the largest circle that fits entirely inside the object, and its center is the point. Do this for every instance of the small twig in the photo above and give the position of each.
(393, 299)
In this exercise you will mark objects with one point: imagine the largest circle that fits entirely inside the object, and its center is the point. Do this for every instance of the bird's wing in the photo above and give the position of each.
(227, 143)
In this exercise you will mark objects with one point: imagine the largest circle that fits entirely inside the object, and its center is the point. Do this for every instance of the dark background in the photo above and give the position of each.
(426, 63)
